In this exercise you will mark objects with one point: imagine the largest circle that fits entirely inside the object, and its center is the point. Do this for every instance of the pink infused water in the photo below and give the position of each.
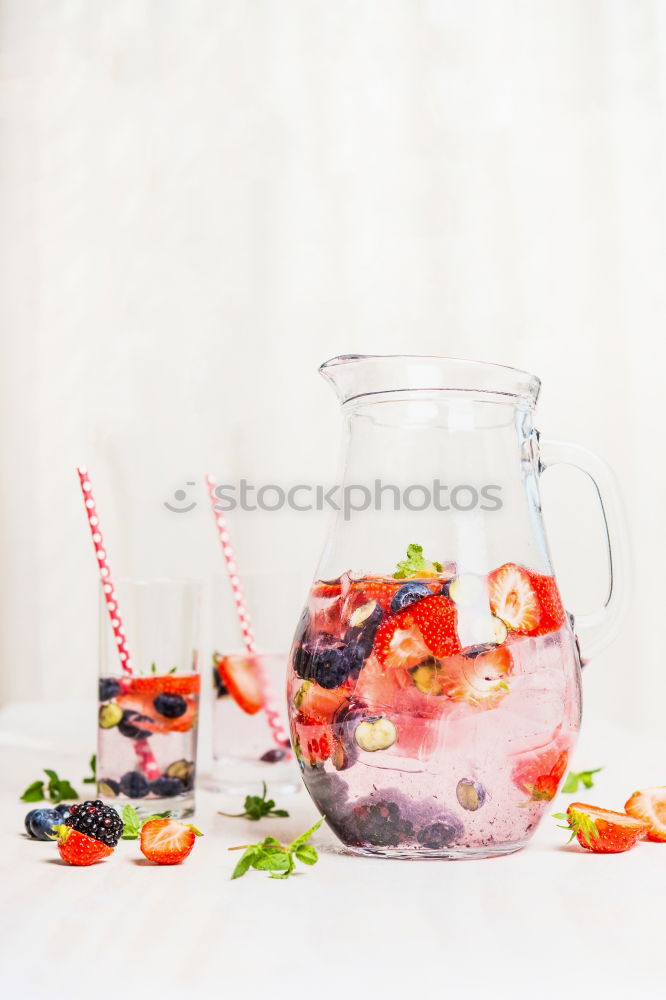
(435, 717)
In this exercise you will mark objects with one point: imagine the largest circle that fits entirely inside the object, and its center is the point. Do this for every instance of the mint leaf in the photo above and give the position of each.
(245, 862)
(131, 823)
(273, 860)
(306, 854)
(34, 792)
(93, 769)
(577, 778)
(256, 807)
(269, 855)
(306, 836)
(415, 565)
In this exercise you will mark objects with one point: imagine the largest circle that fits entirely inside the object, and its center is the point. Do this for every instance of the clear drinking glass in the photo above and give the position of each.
(248, 691)
(148, 719)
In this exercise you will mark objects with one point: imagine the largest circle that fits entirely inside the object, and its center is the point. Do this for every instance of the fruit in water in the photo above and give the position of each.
(410, 592)
(380, 824)
(220, 688)
(171, 706)
(108, 787)
(97, 821)
(470, 794)
(604, 831)
(375, 734)
(426, 628)
(109, 687)
(468, 590)
(320, 703)
(540, 774)
(313, 738)
(426, 678)
(649, 805)
(442, 833)
(478, 677)
(166, 841)
(513, 598)
(365, 613)
(551, 613)
(183, 769)
(274, 755)
(166, 787)
(110, 715)
(78, 848)
(241, 678)
(40, 823)
(169, 684)
(130, 725)
(134, 785)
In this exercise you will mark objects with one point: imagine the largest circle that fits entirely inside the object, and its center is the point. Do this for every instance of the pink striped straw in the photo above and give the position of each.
(104, 571)
(271, 713)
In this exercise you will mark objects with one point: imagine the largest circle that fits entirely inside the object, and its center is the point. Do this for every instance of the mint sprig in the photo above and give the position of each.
(56, 789)
(132, 822)
(256, 807)
(415, 565)
(93, 771)
(577, 778)
(269, 855)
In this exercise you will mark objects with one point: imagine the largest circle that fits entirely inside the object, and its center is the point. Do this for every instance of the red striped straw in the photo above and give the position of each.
(104, 571)
(272, 715)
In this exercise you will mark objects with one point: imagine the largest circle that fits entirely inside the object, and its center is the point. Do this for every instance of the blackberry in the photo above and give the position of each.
(108, 688)
(381, 824)
(171, 706)
(97, 821)
(441, 833)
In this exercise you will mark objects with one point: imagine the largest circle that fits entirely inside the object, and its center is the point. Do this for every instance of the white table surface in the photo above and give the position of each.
(547, 922)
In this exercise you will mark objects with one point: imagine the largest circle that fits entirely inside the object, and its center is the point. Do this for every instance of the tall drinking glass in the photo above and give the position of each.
(147, 722)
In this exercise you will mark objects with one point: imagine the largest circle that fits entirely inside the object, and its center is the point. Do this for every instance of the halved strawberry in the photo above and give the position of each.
(478, 680)
(166, 841)
(79, 849)
(649, 805)
(320, 703)
(512, 597)
(540, 774)
(241, 677)
(602, 830)
(426, 628)
(552, 615)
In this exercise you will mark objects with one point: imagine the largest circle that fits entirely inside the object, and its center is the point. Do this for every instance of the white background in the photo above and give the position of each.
(202, 201)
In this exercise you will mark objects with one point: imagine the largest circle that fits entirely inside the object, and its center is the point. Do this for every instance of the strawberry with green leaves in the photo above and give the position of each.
(602, 830)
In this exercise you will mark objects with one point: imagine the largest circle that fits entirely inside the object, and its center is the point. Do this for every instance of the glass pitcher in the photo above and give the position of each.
(434, 679)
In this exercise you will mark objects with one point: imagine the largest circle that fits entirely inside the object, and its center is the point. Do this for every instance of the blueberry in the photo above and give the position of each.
(42, 822)
(134, 785)
(108, 688)
(330, 666)
(408, 594)
(183, 769)
(220, 688)
(129, 727)
(470, 794)
(441, 833)
(273, 756)
(108, 787)
(28, 817)
(171, 706)
(63, 811)
(166, 787)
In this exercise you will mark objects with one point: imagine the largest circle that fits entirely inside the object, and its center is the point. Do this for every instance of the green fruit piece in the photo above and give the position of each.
(500, 631)
(110, 715)
(300, 694)
(426, 678)
(379, 734)
(182, 769)
(362, 614)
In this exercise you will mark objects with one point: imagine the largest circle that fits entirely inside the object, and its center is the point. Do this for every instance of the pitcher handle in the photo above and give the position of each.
(598, 628)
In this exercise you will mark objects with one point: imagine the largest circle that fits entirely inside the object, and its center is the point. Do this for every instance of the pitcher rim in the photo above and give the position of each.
(510, 381)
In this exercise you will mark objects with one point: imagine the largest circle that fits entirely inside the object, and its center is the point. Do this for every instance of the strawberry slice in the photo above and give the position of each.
(512, 597)
(165, 684)
(540, 774)
(327, 588)
(312, 739)
(426, 628)
(380, 589)
(166, 841)
(552, 615)
(320, 703)
(241, 678)
(602, 830)
(649, 805)
(479, 680)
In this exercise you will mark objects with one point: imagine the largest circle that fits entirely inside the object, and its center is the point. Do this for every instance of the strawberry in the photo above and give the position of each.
(79, 849)
(165, 684)
(313, 738)
(540, 775)
(479, 680)
(649, 805)
(327, 588)
(551, 612)
(241, 678)
(166, 841)
(513, 598)
(380, 589)
(602, 830)
(320, 703)
(151, 720)
(426, 628)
